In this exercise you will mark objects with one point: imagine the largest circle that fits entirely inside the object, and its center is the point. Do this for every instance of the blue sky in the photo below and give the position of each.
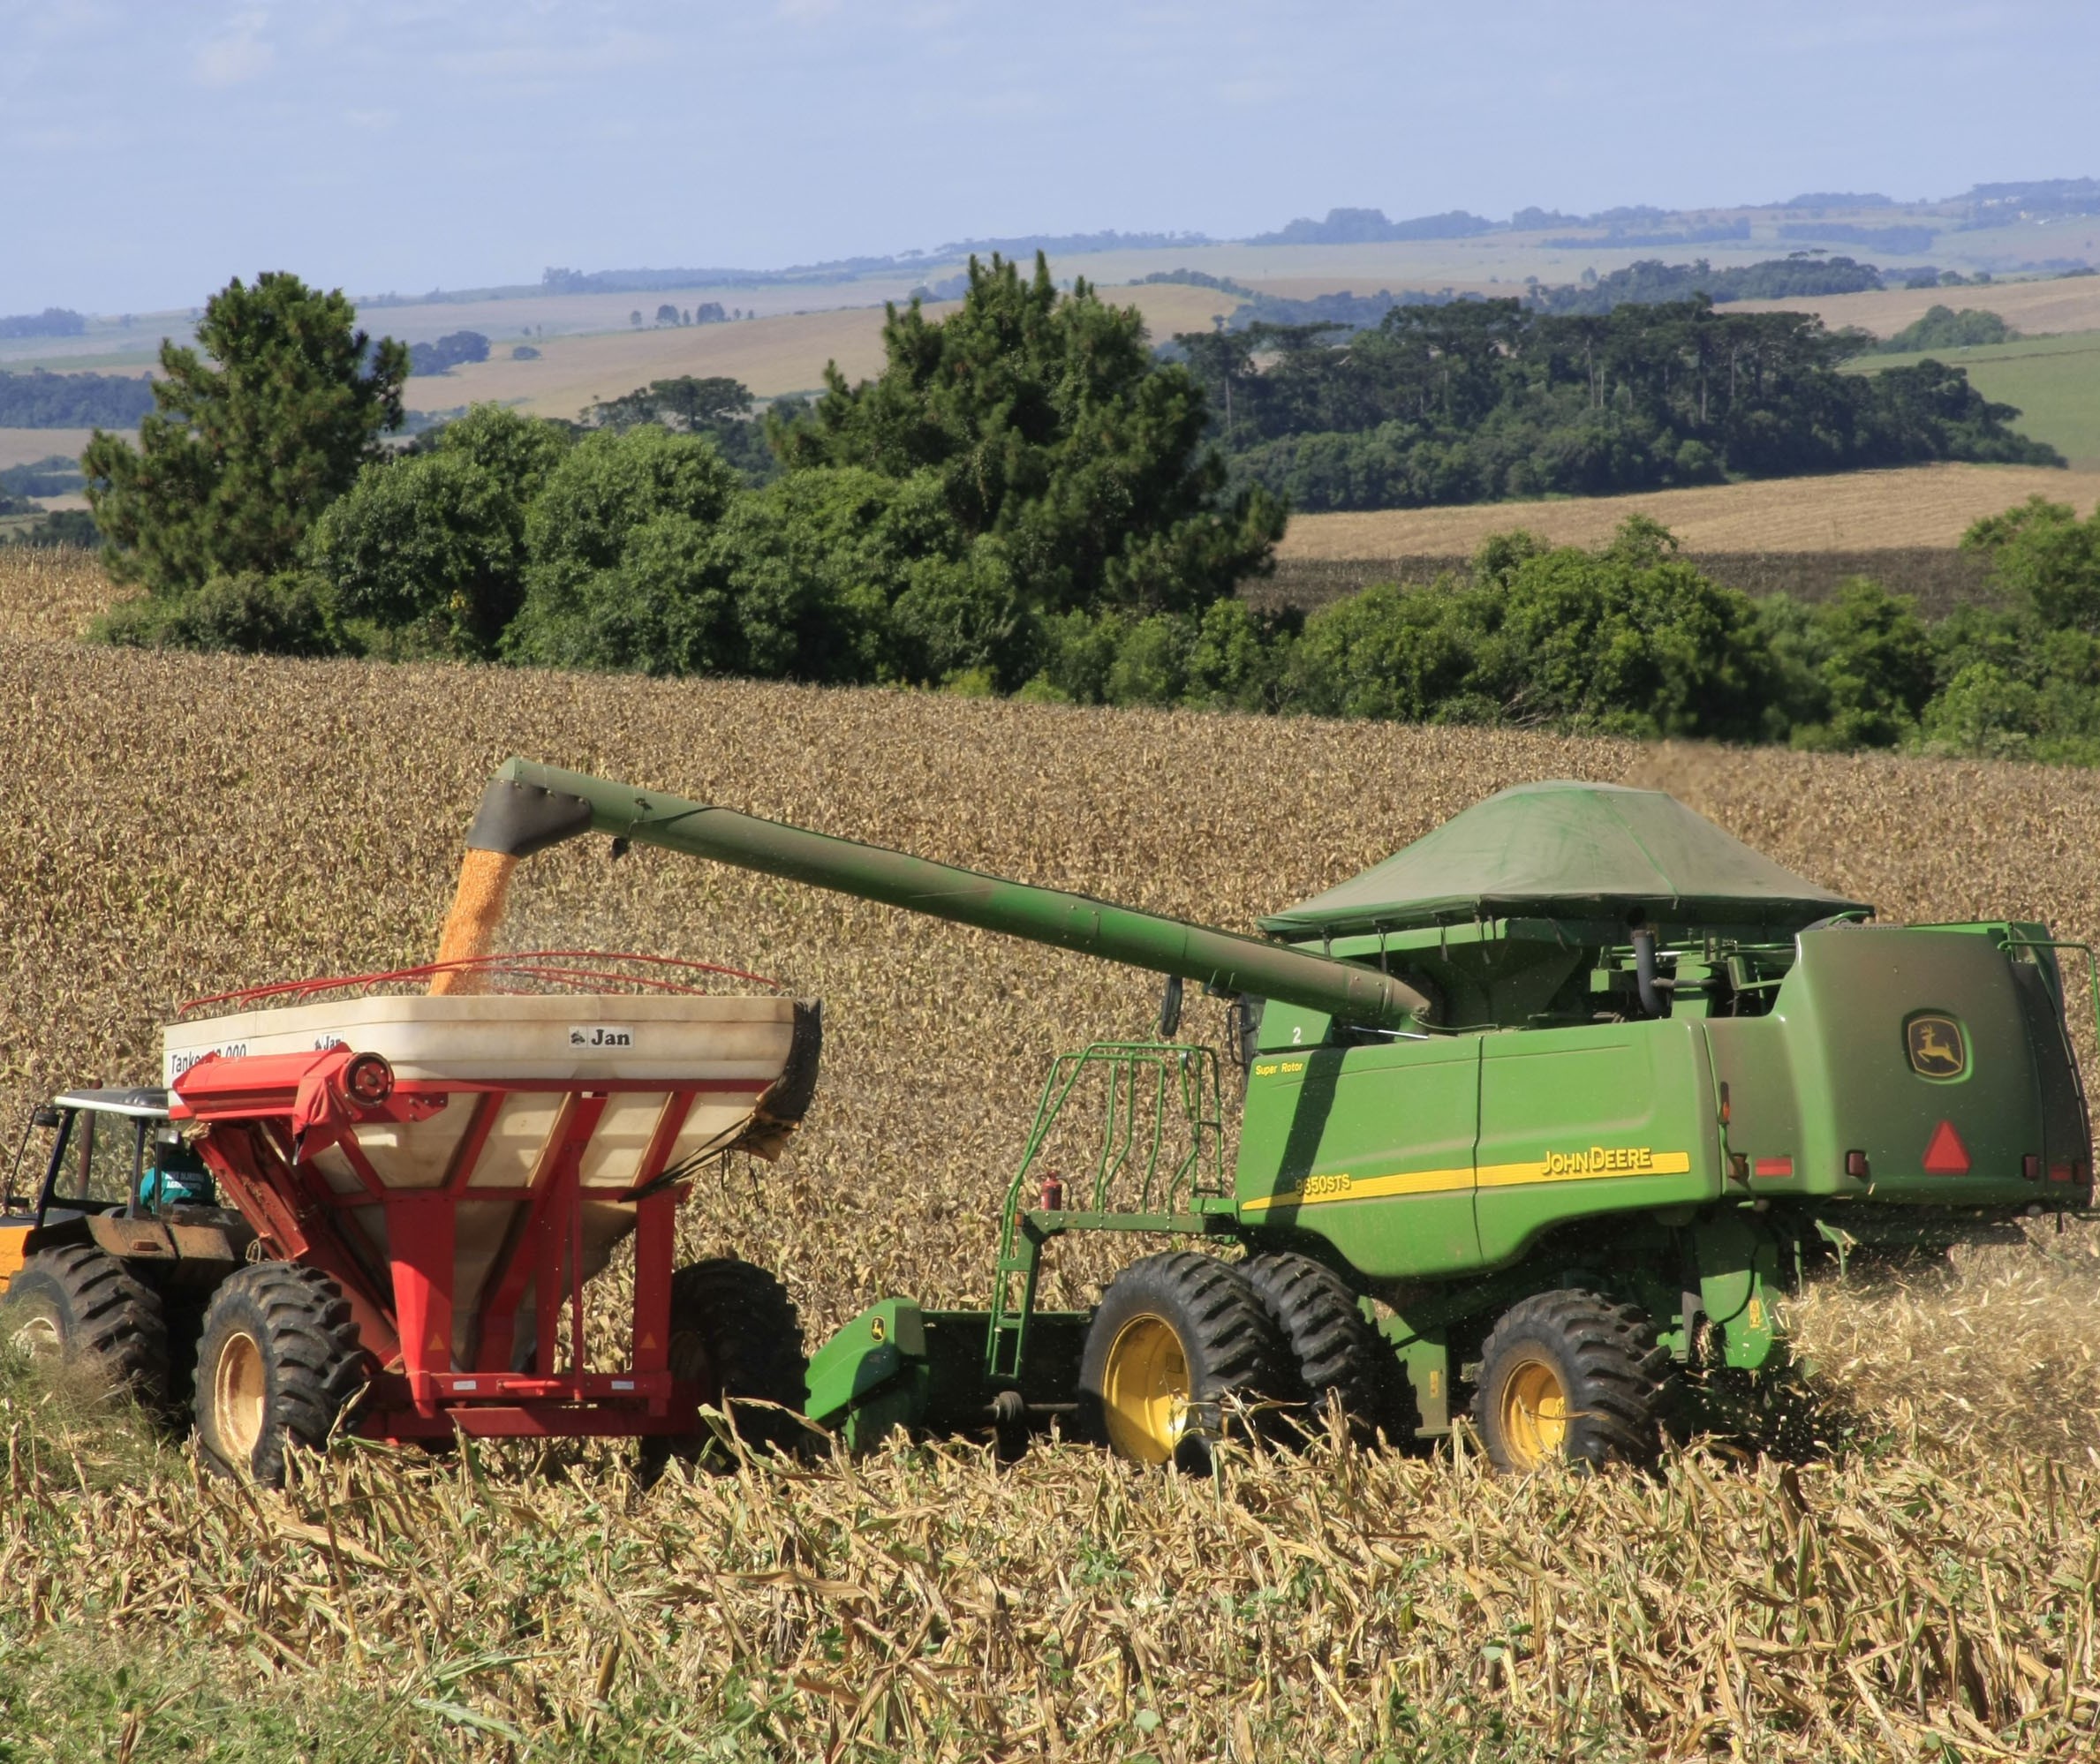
(153, 150)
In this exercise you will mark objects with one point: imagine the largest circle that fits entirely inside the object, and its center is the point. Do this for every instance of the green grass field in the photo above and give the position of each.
(2054, 381)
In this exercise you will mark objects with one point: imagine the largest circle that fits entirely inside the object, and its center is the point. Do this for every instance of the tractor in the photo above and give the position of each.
(353, 1203)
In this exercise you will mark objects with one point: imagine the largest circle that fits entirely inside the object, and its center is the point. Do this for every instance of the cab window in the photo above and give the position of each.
(104, 1159)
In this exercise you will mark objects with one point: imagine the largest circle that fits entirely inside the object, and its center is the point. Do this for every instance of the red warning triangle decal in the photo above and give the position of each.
(437, 1341)
(1947, 1156)
(647, 1343)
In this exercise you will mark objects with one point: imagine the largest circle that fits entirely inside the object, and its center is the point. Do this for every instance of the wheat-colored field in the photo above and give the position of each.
(785, 353)
(26, 447)
(1917, 507)
(2070, 303)
(181, 823)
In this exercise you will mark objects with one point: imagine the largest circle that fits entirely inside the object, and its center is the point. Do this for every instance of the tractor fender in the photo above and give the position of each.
(154, 1240)
(131, 1240)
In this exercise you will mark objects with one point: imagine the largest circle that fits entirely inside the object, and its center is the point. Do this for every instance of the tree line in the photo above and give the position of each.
(1478, 400)
(1022, 502)
(1650, 281)
(42, 400)
(1021, 462)
(1631, 639)
(53, 321)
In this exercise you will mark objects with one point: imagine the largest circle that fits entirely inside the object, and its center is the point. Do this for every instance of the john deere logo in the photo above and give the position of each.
(1937, 1050)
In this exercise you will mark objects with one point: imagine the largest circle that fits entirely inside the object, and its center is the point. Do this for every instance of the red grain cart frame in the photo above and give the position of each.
(270, 1116)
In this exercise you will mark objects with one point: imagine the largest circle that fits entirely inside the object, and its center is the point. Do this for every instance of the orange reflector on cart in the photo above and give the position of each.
(1947, 1156)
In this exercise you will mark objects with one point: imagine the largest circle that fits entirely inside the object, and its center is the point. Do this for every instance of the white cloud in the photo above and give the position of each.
(238, 54)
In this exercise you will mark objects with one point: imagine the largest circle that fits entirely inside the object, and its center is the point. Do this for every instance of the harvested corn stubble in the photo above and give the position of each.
(182, 824)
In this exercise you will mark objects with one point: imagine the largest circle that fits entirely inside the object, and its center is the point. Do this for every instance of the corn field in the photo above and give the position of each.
(1925, 1583)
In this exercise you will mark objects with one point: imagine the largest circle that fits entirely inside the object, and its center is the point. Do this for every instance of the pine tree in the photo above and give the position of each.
(255, 433)
(1054, 432)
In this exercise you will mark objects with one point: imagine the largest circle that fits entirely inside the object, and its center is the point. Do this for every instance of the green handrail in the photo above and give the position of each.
(1143, 1083)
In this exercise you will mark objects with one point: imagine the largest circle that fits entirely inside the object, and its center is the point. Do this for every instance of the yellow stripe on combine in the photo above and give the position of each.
(1320, 1191)
(1634, 1161)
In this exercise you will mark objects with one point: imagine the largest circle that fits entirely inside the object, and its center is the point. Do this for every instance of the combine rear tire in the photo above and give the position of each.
(1332, 1351)
(1570, 1375)
(79, 1306)
(278, 1362)
(736, 1333)
(1176, 1338)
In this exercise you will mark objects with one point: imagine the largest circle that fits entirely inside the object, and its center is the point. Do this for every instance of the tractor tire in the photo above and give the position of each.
(278, 1362)
(1333, 1354)
(79, 1306)
(1176, 1338)
(1571, 1374)
(736, 1333)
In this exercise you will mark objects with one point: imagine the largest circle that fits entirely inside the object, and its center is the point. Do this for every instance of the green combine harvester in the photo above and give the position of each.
(1556, 1102)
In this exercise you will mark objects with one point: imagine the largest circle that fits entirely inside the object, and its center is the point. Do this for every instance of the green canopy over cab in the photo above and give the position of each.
(1562, 850)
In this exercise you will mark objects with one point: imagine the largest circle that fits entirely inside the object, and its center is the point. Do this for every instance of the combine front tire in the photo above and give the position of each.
(1333, 1353)
(736, 1333)
(1176, 1338)
(79, 1305)
(278, 1362)
(1570, 1375)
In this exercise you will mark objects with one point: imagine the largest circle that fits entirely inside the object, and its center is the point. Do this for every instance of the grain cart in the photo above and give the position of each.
(1558, 1098)
(354, 1187)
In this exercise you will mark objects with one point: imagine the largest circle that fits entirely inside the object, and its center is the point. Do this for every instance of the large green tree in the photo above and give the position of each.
(256, 430)
(1051, 428)
(2045, 558)
(623, 568)
(432, 545)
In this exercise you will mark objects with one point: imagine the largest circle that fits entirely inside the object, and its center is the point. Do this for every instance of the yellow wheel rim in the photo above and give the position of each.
(1533, 1411)
(37, 1338)
(239, 1394)
(1144, 1390)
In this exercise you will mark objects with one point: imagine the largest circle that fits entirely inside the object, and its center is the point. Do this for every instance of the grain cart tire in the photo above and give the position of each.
(736, 1333)
(1571, 1374)
(79, 1306)
(1176, 1336)
(278, 1360)
(1331, 1353)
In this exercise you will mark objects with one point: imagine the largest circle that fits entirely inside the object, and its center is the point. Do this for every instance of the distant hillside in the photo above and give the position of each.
(1370, 226)
(1866, 220)
(38, 400)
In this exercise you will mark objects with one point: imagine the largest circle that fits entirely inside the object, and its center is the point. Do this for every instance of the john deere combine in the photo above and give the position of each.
(1558, 1098)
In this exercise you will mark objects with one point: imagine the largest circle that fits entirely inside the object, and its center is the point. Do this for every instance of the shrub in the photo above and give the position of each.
(1986, 712)
(1875, 664)
(290, 613)
(2042, 555)
(431, 546)
(620, 569)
